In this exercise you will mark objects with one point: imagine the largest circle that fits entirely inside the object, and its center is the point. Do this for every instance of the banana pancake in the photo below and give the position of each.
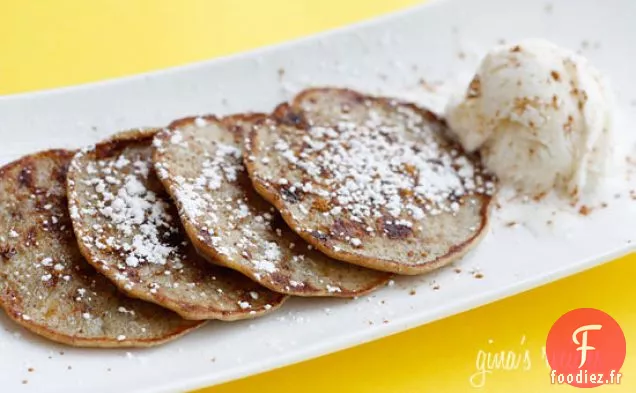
(371, 181)
(45, 283)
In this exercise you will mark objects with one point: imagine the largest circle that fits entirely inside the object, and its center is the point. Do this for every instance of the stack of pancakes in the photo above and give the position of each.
(145, 236)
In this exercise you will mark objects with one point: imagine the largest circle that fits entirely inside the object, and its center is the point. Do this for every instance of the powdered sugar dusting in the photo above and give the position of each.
(380, 166)
(200, 200)
(193, 192)
(132, 210)
(126, 221)
(207, 177)
(349, 169)
(57, 291)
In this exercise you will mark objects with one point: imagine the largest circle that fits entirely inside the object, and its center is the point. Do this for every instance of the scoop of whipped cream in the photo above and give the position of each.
(541, 117)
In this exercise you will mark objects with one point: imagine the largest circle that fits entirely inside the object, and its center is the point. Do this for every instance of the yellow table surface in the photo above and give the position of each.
(45, 44)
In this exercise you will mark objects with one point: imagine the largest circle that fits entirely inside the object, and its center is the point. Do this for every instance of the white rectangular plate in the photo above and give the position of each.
(434, 45)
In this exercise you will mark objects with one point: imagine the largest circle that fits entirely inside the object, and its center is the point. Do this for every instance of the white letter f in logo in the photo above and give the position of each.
(584, 347)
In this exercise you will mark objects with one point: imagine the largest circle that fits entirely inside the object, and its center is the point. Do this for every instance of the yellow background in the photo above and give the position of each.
(45, 44)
